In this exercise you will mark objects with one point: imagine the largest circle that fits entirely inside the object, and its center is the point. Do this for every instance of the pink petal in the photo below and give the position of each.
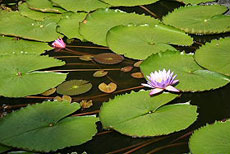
(155, 91)
(146, 85)
(172, 89)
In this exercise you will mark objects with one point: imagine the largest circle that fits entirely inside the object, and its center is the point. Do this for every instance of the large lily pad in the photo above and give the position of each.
(199, 19)
(74, 87)
(98, 23)
(129, 2)
(24, 10)
(18, 75)
(215, 56)
(13, 46)
(138, 114)
(69, 25)
(12, 23)
(45, 127)
(191, 76)
(211, 139)
(141, 41)
(43, 6)
(80, 5)
(195, 1)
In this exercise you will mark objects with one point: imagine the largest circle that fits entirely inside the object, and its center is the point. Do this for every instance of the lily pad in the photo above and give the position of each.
(199, 19)
(211, 139)
(195, 1)
(107, 88)
(100, 73)
(80, 5)
(127, 68)
(24, 10)
(40, 126)
(137, 75)
(215, 56)
(98, 23)
(129, 2)
(43, 6)
(86, 104)
(137, 114)
(108, 58)
(13, 46)
(141, 41)
(191, 76)
(137, 64)
(74, 87)
(86, 57)
(49, 92)
(69, 24)
(27, 28)
(4, 148)
(19, 76)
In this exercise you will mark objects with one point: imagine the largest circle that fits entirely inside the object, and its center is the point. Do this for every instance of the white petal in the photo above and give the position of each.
(172, 89)
(155, 91)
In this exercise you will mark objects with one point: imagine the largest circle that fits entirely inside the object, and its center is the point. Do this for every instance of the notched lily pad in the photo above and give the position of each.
(100, 73)
(107, 88)
(108, 58)
(86, 104)
(42, 124)
(74, 87)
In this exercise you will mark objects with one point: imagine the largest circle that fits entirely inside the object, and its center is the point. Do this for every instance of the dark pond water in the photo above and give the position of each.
(212, 105)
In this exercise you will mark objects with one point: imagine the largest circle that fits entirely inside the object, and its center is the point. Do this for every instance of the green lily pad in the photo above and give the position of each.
(191, 76)
(141, 41)
(138, 114)
(13, 46)
(69, 25)
(129, 2)
(215, 56)
(74, 87)
(195, 1)
(43, 6)
(199, 19)
(211, 139)
(19, 78)
(98, 23)
(45, 127)
(24, 10)
(27, 28)
(81, 5)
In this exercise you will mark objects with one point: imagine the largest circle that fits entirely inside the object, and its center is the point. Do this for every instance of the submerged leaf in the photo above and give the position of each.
(129, 2)
(138, 114)
(98, 23)
(191, 76)
(108, 58)
(45, 127)
(74, 87)
(107, 88)
(19, 76)
(211, 139)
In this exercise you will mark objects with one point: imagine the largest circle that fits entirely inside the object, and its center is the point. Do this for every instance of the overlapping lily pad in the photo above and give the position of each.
(190, 75)
(45, 127)
(215, 56)
(211, 139)
(19, 76)
(195, 1)
(81, 5)
(199, 19)
(141, 41)
(129, 2)
(74, 87)
(69, 25)
(13, 24)
(138, 114)
(13, 46)
(43, 6)
(98, 23)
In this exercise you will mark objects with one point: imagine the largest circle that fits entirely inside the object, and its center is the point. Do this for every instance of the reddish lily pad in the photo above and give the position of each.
(127, 68)
(74, 87)
(49, 92)
(137, 64)
(100, 73)
(108, 58)
(107, 88)
(137, 75)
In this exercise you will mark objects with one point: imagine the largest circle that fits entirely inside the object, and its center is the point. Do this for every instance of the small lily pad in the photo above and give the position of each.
(100, 73)
(129, 2)
(108, 58)
(137, 75)
(127, 68)
(13, 46)
(49, 92)
(74, 87)
(139, 115)
(137, 64)
(86, 104)
(195, 1)
(66, 98)
(40, 125)
(86, 57)
(211, 139)
(107, 88)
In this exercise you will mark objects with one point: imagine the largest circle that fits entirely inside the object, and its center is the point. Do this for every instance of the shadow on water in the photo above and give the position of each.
(212, 105)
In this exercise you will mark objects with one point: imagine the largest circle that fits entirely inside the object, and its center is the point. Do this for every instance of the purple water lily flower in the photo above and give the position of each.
(161, 80)
(59, 43)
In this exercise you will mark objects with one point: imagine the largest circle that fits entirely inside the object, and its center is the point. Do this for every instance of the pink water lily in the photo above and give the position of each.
(59, 44)
(160, 81)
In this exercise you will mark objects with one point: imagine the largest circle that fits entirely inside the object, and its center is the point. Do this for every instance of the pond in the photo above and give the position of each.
(114, 76)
